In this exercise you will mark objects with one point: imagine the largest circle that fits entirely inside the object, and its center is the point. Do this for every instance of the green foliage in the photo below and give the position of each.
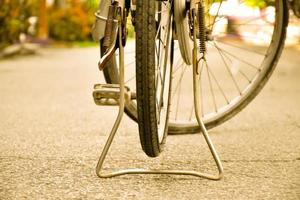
(74, 22)
(68, 24)
(13, 19)
(91, 4)
(259, 3)
(130, 28)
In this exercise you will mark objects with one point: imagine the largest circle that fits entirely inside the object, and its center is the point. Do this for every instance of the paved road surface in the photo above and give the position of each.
(51, 134)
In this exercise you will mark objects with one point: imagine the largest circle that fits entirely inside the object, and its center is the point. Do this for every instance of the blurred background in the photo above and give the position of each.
(69, 22)
(45, 21)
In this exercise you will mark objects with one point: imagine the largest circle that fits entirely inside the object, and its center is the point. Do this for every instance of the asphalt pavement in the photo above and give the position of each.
(51, 135)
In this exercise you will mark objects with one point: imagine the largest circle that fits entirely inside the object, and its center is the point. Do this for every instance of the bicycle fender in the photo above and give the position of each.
(98, 29)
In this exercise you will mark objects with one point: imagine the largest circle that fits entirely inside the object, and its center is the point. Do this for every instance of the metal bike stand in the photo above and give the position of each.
(123, 97)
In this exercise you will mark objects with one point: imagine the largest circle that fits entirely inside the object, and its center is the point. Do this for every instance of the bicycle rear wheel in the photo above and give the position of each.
(243, 44)
(241, 56)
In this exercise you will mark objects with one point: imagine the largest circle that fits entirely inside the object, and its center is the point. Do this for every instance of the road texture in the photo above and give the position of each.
(51, 135)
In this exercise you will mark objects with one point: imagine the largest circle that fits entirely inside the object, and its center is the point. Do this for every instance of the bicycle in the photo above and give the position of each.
(187, 36)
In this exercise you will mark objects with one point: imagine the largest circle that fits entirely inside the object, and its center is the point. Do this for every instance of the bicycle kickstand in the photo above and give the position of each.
(119, 95)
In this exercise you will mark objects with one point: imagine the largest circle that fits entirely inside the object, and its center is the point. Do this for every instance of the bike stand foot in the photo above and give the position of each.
(102, 174)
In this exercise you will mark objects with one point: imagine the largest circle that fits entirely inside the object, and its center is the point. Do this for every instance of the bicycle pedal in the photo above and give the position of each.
(109, 94)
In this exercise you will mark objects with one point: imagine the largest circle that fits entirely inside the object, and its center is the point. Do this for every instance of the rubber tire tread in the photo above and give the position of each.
(145, 77)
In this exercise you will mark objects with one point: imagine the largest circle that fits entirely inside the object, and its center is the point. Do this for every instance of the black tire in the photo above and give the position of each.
(151, 136)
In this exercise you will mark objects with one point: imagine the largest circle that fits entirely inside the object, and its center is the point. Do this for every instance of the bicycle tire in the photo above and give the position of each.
(151, 60)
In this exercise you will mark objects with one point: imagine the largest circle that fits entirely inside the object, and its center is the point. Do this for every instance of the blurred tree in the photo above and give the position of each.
(65, 20)
(60, 3)
(43, 21)
(70, 23)
(14, 16)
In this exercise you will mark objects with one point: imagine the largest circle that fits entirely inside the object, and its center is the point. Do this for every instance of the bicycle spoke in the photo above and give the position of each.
(179, 81)
(215, 17)
(218, 84)
(179, 66)
(162, 36)
(130, 64)
(236, 57)
(211, 87)
(228, 69)
(242, 48)
(158, 31)
(130, 79)
(178, 95)
(240, 71)
(245, 76)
